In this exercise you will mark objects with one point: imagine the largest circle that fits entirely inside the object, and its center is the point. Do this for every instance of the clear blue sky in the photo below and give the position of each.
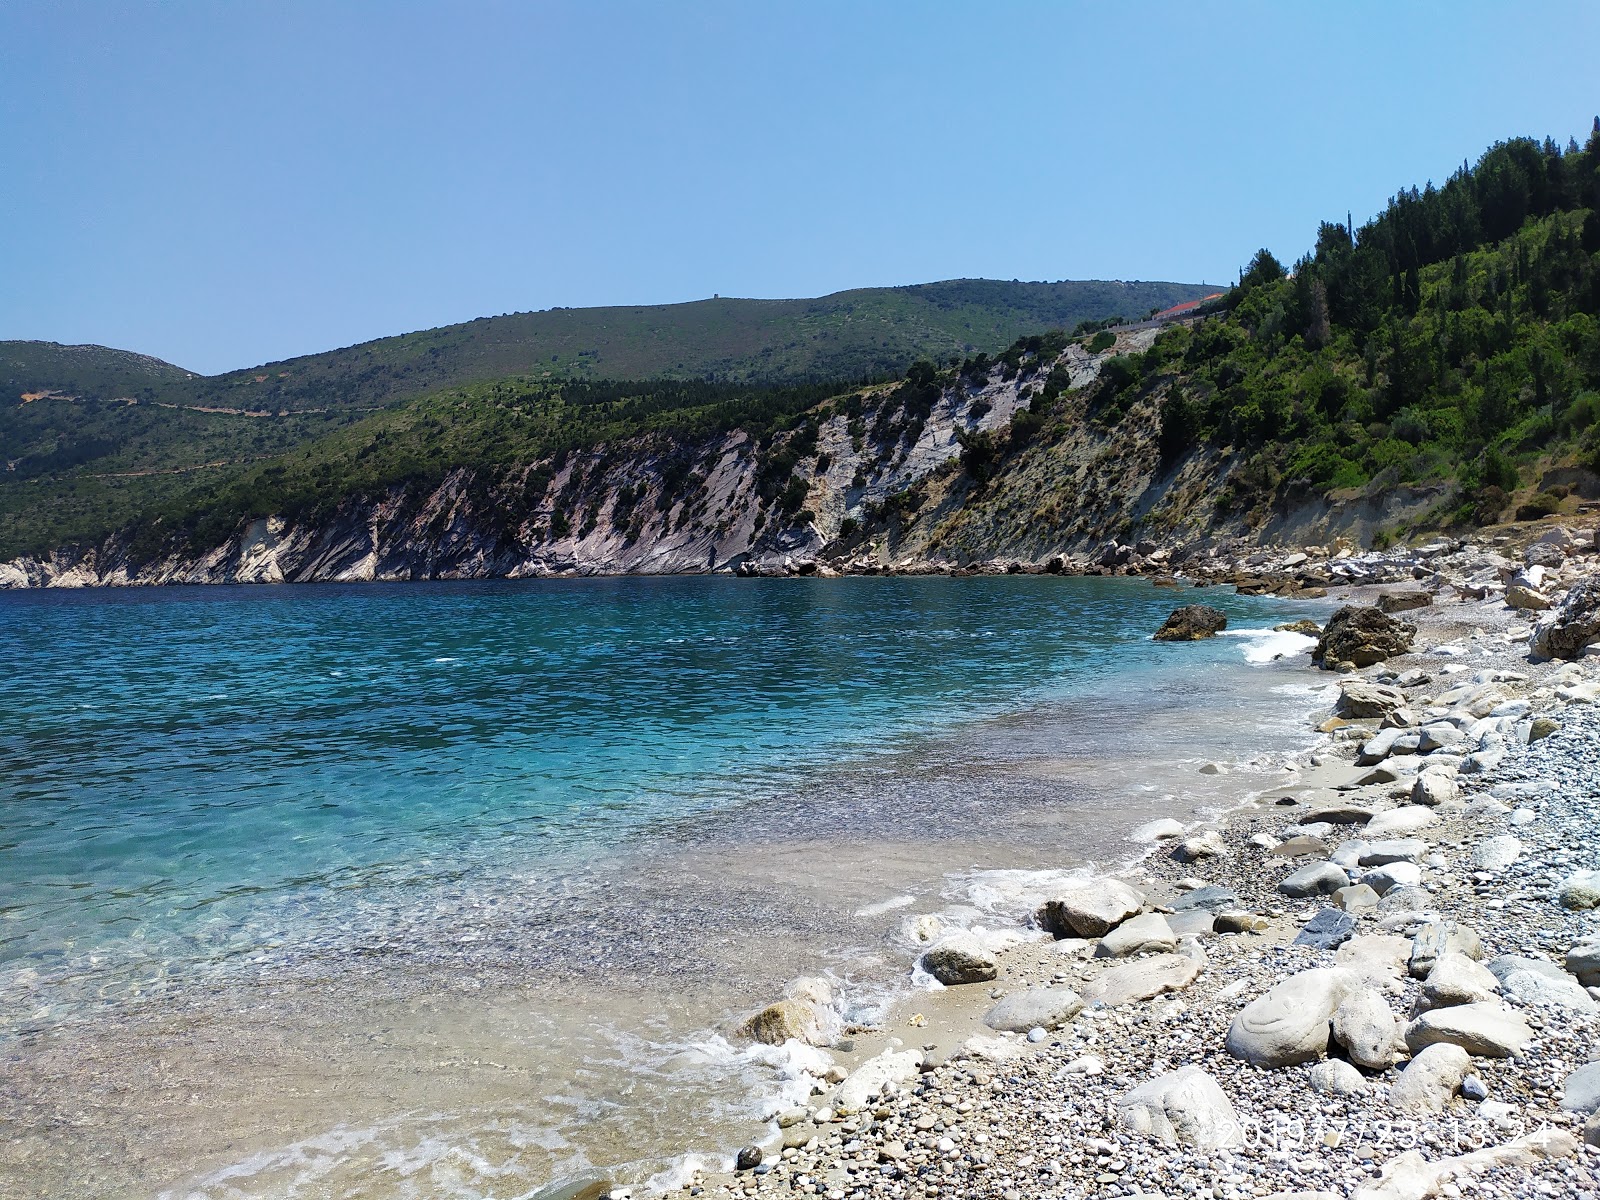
(227, 183)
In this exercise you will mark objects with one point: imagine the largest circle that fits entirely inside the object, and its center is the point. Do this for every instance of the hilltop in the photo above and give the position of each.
(91, 437)
(1436, 369)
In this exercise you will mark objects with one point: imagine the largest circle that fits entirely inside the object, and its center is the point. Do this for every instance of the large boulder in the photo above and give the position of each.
(1573, 625)
(1090, 909)
(1581, 890)
(959, 959)
(1365, 1027)
(1430, 1080)
(1191, 623)
(1290, 1024)
(1182, 1108)
(1314, 879)
(1538, 983)
(1362, 635)
(869, 1079)
(1487, 1029)
(1036, 1008)
(1147, 934)
(1583, 960)
(1456, 979)
(1581, 1092)
(1143, 979)
(1360, 698)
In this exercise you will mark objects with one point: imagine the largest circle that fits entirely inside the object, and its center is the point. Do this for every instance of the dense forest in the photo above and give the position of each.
(1455, 335)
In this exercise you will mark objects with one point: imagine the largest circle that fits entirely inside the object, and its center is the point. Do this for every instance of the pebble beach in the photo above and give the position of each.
(1378, 978)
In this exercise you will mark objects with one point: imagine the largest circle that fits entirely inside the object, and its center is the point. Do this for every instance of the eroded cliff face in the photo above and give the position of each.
(881, 477)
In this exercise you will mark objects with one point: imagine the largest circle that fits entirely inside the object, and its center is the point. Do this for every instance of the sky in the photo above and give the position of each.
(230, 183)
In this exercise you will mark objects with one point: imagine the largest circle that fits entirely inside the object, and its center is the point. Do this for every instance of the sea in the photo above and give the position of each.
(461, 889)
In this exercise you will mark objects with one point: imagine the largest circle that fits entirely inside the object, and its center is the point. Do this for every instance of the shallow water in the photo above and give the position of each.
(447, 890)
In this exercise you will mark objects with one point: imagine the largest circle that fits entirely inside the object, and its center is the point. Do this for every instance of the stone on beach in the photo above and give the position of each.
(1363, 636)
(1486, 1028)
(1392, 875)
(1198, 846)
(1291, 1023)
(1431, 1079)
(1367, 1030)
(1538, 983)
(785, 1020)
(1357, 899)
(1185, 1107)
(960, 959)
(1573, 626)
(1361, 698)
(1438, 938)
(1143, 979)
(1191, 623)
(1406, 819)
(1335, 1077)
(1583, 960)
(1581, 890)
(1433, 788)
(1581, 1092)
(1456, 979)
(1090, 909)
(1314, 879)
(1039, 1007)
(1145, 934)
(871, 1077)
(1329, 929)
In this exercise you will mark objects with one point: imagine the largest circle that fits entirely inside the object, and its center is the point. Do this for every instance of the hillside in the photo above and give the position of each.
(90, 437)
(1437, 368)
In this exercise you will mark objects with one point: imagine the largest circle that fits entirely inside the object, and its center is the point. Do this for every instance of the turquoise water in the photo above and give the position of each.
(190, 772)
(326, 891)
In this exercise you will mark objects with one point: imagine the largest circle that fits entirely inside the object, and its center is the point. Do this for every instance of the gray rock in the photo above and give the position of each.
(1291, 1023)
(1185, 1107)
(1581, 1092)
(1314, 879)
(1497, 853)
(1399, 822)
(1367, 1030)
(1335, 1077)
(1211, 898)
(1363, 636)
(1540, 984)
(1390, 850)
(1487, 1029)
(1090, 909)
(1574, 625)
(1040, 1007)
(1430, 1080)
(1437, 938)
(960, 959)
(1145, 934)
(1397, 874)
(1198, 846)
(1591, 1130)
(1433, 788)
(1191, 623)
(1581, 890)
(1193, 922)
(1456, 979)
(1474, 1089)
(748, 1158)
(1143, 979)
(1328, 930)
(1357, 899)
(1583, 960)
(1439, 736)
(1361, 698)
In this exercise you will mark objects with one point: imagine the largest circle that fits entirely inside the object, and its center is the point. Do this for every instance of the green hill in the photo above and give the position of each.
(89, 437)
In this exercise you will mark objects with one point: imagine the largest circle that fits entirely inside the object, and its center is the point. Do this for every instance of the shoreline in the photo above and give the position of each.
(934, 1103)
